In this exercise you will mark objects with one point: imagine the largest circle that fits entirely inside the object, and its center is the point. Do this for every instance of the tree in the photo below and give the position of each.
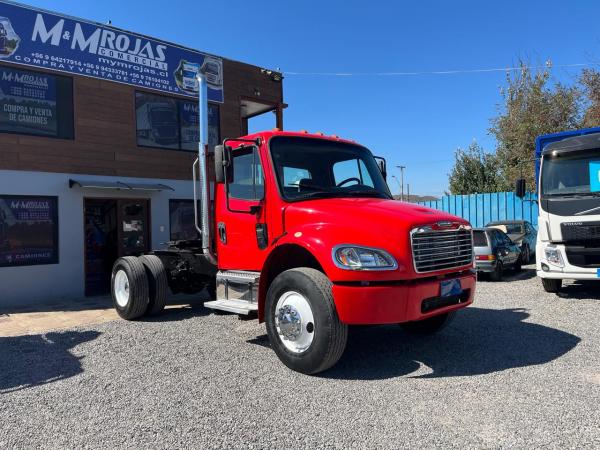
(531, 106)
(590, 87)
(474, 171)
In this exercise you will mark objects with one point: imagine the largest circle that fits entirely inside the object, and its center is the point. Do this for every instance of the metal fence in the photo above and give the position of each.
(480, 209)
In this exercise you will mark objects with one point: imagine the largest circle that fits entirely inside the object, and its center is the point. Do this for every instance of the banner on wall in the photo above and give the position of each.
(28, 230)
(27, 102)
(38, 38)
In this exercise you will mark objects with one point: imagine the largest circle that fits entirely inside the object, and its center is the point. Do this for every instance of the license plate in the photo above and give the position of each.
(449, 288)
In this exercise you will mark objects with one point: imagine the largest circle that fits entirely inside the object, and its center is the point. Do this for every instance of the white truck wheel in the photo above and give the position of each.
(302, 322)
(129, 287)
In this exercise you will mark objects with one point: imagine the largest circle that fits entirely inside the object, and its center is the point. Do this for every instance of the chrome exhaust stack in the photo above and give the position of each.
(204, 226)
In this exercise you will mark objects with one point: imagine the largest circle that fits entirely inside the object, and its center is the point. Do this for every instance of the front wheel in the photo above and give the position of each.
(429, 326)
(302, 322)
(552, 285)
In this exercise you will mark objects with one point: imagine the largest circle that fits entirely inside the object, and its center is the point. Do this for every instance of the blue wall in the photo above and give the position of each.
(480, 209)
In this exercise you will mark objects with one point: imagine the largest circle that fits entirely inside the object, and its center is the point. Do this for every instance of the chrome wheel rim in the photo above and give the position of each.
(294, 322)
(121, 288)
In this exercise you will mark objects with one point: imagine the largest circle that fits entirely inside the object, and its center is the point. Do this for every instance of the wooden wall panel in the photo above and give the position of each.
(105, 130)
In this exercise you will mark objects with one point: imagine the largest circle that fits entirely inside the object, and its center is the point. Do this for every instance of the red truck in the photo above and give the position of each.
(304, 235)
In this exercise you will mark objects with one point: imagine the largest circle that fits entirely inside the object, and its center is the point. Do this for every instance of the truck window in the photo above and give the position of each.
(308, 168)
(352, 168)
(248, 181)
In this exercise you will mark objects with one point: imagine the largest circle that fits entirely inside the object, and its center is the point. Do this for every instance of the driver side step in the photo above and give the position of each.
(237, 292)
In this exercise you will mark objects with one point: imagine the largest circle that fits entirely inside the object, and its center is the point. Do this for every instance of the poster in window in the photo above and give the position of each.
(28, 230)
(190, 134)
(27, 103)
(157, 121)
(181, 214)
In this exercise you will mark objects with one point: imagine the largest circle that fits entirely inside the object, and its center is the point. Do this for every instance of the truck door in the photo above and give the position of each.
(241, 220)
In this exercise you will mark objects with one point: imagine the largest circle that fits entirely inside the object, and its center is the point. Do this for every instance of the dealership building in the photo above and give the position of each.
(98, 133)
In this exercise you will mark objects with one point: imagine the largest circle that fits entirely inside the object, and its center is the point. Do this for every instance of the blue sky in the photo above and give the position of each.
(417, 121)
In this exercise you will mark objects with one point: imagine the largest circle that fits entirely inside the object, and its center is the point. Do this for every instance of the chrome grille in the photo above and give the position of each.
(441, 249)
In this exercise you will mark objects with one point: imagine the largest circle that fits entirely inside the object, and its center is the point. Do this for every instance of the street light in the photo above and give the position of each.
(402, 181)
(397, 181)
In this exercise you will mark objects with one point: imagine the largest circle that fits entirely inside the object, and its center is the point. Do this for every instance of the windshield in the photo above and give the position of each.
(318, 168)
(571, 175)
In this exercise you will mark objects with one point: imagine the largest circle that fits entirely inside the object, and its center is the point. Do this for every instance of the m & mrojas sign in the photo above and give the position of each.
(33, 37)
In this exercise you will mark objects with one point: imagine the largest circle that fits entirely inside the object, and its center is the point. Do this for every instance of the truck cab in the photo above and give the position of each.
(305, 235)
(568, 243)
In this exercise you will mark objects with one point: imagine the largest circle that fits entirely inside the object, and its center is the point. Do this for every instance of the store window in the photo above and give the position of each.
(36, 103)
(28, 230)
(181, 220)
(170, 123)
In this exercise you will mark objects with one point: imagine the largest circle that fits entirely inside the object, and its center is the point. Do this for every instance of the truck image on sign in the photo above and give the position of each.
(305, 236)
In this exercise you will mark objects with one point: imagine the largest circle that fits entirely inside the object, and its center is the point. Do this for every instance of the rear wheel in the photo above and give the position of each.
(518, 265)
(129, 287)
(429, 326)
(498, 272)
(302, 322)
(158, 284)
(525, 254)
(552, 285)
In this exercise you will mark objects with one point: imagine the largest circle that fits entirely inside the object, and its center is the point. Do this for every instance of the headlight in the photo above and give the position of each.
(352, 257)
(553, 256)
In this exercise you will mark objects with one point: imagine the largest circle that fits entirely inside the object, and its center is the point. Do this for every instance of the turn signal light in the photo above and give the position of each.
(485, 257)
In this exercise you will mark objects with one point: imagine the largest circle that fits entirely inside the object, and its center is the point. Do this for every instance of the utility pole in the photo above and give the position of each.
(408, 191)
(402, 181)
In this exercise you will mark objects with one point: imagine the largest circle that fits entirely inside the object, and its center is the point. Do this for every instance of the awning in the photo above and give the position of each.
(100, 184)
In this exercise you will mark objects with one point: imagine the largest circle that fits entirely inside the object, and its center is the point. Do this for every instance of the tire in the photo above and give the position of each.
(518, 266)
(158, 285)
(525, 255)
(129, 287)
(552, 285)
(429, 326)
(302, 298)
(498, 272)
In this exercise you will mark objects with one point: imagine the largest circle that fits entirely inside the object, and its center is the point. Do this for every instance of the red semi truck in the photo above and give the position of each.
(304, 235)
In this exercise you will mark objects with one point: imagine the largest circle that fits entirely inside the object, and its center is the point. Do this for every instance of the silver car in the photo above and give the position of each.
(495, 252)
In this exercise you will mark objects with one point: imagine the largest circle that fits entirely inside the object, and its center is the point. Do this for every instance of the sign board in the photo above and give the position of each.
(28, 230)
(37, 38)
(27, 102)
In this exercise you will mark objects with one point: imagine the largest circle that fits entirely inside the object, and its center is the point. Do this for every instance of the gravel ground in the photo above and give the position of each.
(518, 368)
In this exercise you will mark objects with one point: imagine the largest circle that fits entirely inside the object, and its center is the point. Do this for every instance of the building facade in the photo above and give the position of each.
(98, 133)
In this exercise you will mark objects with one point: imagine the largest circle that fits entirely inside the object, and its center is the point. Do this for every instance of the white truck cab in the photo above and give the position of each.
(568, 240)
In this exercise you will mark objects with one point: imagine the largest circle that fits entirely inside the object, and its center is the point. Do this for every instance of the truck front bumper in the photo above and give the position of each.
(399, 302)
(566, 271)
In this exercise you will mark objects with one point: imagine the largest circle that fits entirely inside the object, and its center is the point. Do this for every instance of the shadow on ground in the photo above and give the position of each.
(33, 360)
(479, 341)
(580, 290)
(510, 275)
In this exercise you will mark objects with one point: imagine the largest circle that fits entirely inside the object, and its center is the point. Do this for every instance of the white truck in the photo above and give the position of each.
(568, 174)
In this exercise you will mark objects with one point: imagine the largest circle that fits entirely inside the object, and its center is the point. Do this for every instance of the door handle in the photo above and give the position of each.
(222, 232)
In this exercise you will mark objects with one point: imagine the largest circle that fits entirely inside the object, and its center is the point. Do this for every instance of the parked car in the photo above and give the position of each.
(522, 233)
(495, 252)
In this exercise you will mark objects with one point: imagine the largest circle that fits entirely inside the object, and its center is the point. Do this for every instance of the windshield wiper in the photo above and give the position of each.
(363, 193)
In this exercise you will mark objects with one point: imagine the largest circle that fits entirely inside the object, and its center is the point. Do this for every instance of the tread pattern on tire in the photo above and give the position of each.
(158, 283)
(340, 330)
(329, 350)
(138, 287)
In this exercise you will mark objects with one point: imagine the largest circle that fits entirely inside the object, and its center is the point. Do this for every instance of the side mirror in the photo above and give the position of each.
(520, 188)
(382, 164)
(220, 163)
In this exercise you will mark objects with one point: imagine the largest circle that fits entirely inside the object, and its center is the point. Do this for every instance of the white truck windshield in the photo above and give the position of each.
(570, 174)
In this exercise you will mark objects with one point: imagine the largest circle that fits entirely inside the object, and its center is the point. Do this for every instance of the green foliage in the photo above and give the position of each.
(532, 104)
(474, 171)
(531, 107)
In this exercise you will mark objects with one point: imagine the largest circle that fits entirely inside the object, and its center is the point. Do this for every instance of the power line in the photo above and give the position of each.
(440, 72)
